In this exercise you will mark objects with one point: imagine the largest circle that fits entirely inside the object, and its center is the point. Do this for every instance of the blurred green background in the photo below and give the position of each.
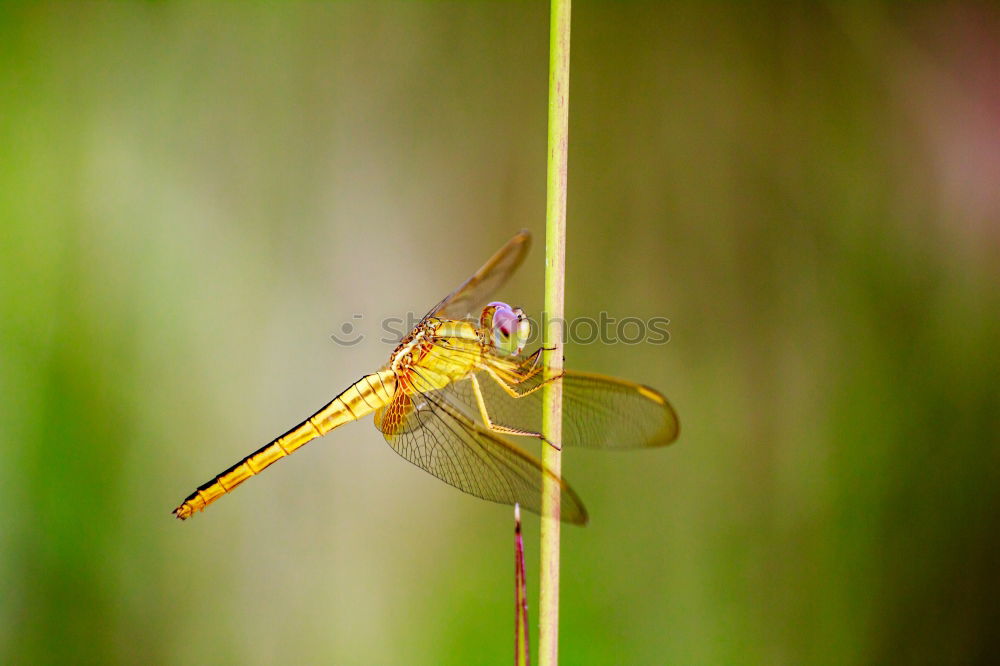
(194, 197)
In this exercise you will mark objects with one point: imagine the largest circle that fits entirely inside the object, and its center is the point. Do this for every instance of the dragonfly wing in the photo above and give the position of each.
(399, 416)
(439, 438)
(601, 412)
(598, 412)
(473, 294)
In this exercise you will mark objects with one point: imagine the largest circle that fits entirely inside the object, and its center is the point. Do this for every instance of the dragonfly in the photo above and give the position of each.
(456, 390)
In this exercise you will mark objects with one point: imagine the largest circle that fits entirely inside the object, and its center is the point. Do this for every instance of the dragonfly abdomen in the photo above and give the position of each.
(363, 397)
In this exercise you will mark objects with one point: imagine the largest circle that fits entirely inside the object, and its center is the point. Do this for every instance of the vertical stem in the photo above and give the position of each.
(522, 647)
(555, 259)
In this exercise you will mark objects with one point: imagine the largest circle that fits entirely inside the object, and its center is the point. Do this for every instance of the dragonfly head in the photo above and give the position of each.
(508, 328)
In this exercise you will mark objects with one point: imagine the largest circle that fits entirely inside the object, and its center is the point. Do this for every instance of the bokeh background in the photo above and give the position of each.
(194, 197)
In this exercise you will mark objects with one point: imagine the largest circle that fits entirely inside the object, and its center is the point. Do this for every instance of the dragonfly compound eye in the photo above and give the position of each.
(508, 327)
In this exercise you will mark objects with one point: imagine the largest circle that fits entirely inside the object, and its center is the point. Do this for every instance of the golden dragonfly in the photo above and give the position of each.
(457, 385)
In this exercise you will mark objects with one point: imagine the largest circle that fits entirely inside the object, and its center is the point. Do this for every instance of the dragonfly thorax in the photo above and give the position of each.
(436, 353)
(410, 347)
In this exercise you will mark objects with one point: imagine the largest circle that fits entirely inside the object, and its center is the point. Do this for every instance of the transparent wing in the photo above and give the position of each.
(470, 298)
(435, 435)
(598, 412)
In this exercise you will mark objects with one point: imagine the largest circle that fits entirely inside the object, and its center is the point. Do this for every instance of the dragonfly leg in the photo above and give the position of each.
(509, 387)
(533, 359)
(495, 427)
(540, 350)
(529, 368)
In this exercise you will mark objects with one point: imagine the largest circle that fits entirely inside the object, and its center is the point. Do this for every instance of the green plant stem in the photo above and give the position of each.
(555, 260)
